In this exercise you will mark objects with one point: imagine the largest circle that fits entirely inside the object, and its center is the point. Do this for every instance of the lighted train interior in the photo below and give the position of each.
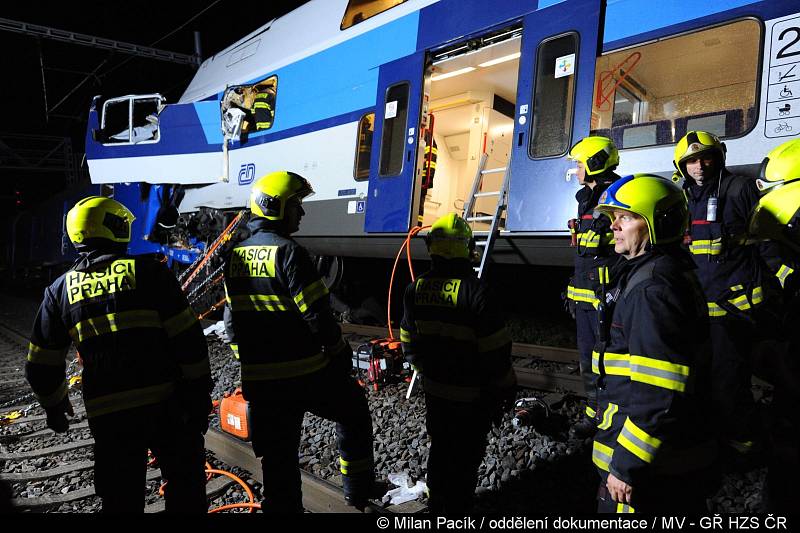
(472, 95)
(654, 93)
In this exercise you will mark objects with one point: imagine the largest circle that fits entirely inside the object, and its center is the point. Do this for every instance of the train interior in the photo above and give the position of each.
(641, 98)
(472, 92)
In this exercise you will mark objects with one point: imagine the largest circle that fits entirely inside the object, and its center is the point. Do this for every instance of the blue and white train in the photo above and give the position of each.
(358, 82)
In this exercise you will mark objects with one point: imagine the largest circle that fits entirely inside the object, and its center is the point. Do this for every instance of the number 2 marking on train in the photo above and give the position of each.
(785, 51)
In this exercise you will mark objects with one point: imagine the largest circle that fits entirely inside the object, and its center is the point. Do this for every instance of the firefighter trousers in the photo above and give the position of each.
(586, 323)
(457, 432)
(120, 458)
(731, 373)
(784, 454)
(277, 409)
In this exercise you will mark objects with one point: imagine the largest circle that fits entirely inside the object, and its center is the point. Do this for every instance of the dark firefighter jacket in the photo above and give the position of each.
(594, 243)
(264, 109)
(137, 337)
(732, 275)
(452, 331)
(278, 315)
(653, 376)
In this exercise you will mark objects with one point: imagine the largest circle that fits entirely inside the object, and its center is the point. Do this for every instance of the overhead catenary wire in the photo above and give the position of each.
(176, 30)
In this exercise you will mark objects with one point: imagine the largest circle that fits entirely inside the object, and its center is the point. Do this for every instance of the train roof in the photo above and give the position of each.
(311, 28)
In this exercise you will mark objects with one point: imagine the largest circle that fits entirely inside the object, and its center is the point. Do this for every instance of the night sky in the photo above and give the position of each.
(58, 105)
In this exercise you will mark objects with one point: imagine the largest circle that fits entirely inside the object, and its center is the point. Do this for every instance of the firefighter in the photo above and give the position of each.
(777, 217)
(652, 450)
(453, 333)
(596, 158)
(293, 357)
(428, 171)
(146, 377)
(731, 273)
(263, 110)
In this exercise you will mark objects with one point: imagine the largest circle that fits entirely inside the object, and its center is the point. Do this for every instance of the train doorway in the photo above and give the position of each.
(471, 92)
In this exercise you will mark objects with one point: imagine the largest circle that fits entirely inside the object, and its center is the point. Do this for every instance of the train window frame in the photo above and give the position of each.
(356, 175)
(401, 139)
(349, 15)
(536, 106)
(246, 127)
(131, 101)
(757, 75)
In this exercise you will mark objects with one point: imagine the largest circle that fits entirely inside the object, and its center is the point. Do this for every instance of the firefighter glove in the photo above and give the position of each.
(57, 415)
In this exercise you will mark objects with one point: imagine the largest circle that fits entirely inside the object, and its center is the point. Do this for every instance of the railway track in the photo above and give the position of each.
(49, 471)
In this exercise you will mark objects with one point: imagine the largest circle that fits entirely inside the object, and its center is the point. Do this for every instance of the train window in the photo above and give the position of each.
(249, 108)
(131, 120)
(554, 95)
(653, 94)
(360, 10)
(366, 127)
(393, 139)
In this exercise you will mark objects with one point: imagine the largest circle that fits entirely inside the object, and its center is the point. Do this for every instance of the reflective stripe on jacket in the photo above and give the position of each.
(130, 321)
(594, 243)
(278, 310)
(731, 274)
(453, 331)
(653, 367)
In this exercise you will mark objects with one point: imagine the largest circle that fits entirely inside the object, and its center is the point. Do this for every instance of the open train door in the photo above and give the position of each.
(392, 178)
(554, 105)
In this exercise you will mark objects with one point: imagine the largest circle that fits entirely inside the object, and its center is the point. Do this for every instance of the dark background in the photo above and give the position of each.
(46, 86)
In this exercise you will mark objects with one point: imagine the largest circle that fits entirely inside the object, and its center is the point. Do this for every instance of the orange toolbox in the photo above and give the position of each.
(234, 415)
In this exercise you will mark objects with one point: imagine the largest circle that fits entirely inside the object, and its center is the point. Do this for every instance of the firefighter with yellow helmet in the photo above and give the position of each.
(652, 449)
(777, 218)
(733, 275)
(146, 377)
(293, 357)
(452, 332)
(596, 158)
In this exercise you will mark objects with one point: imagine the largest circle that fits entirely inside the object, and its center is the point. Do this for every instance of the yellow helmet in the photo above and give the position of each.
(694, 143)
(781, 166)
(270, 193)
(597, 154)
(98, 217)
(450, 237)
(774, 213)
(659, 201)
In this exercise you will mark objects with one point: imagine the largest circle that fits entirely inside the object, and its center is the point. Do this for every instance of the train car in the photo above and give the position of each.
(36, 242)
(355, 87)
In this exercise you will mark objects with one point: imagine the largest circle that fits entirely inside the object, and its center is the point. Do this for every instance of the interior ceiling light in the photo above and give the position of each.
(437, 77)
(503, 59)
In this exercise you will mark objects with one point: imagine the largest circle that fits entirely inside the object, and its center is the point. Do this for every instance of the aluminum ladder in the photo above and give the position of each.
(487, 245)
(491, 236)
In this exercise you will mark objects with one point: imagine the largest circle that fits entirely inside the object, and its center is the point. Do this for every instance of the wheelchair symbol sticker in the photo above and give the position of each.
(786, 92)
